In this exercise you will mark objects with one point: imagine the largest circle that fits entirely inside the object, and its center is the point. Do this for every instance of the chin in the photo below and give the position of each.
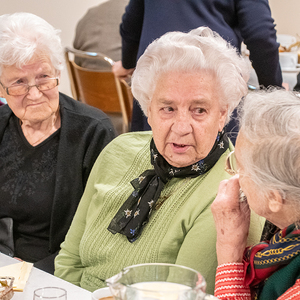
(180, 163)
(179, 160)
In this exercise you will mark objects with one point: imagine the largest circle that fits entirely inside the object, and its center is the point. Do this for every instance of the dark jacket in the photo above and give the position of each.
(235, 20)
(85, 131)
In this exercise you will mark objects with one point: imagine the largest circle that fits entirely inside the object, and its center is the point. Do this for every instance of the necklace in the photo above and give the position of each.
(162, 199)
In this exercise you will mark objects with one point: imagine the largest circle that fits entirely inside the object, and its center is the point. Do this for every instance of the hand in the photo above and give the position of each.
(232, 220)
(17, 258)
(120, 72)
(286, 85)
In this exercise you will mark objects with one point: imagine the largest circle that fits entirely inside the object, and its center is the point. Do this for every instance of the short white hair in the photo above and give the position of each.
(197, 51)
(24, 34)
(270, 122)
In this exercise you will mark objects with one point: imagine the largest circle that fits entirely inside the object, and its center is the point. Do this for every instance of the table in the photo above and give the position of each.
(39, 278)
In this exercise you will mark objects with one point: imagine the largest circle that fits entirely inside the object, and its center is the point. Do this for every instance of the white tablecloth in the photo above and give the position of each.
(38, 279)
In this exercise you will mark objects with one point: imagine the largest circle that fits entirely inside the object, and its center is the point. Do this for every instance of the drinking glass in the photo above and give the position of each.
(50, 293)
(158, 281)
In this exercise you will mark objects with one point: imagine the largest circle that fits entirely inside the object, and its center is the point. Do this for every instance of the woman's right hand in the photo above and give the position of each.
(120, 72)
(232, 220)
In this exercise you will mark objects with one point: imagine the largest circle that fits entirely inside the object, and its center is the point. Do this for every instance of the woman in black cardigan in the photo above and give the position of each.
(48, 141)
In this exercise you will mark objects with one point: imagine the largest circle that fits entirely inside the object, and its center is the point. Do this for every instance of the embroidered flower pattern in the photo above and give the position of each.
(132, 231)
(173, 171)
(195, 167)
(141, 178)
(137, 212)
(151, 203)
(21, 182)
(127, 213)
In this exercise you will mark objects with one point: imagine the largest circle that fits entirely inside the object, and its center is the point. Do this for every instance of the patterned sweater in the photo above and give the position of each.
(230, 285)
(180, 231)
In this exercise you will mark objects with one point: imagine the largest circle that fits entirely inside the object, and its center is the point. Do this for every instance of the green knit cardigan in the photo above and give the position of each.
(181, 231)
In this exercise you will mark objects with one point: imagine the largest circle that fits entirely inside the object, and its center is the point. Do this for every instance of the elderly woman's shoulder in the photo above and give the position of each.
(132, 140)
(5, 110)
(79, 108)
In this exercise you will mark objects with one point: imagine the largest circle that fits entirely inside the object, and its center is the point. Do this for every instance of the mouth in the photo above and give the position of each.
(35, 104)
(179, 145)
(179, 148)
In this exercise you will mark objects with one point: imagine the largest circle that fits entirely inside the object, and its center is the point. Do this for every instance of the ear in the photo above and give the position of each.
(223, 116)
(149, 115)
(275, 201)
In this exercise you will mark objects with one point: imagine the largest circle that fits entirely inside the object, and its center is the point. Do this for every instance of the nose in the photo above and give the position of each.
(34, 92)
(182, 124)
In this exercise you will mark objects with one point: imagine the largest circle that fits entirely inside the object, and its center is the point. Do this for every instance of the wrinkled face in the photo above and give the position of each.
(35, 106)
(185, 116)
(256, 201)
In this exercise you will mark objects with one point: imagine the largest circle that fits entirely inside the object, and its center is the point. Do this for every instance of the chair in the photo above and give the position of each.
(98, 86)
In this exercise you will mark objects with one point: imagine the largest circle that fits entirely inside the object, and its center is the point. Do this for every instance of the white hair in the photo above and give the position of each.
(270, 122)
(197, 51)
(24, 34)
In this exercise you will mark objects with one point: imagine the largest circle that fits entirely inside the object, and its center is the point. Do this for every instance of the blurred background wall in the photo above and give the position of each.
(286, 15)
(64, 14)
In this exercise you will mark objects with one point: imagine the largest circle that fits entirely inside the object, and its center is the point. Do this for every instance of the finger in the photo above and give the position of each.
(234, 184)
(222, 186)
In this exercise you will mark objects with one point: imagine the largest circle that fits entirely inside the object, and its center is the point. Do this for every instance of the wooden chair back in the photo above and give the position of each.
(99, 88)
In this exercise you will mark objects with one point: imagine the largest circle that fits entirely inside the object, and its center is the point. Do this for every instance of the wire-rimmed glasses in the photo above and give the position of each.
(22, 89)
(231, 168)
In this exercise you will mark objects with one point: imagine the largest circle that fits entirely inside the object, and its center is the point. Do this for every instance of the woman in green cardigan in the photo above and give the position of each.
(152, 203)
(267, 157)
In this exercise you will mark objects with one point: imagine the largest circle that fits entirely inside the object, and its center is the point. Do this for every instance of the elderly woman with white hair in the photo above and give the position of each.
(267, 163)
(48, 141)
(153, 204)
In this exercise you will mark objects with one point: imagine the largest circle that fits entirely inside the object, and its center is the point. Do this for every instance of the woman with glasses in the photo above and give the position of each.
(48, 141)
(266, 162)
(158, 186)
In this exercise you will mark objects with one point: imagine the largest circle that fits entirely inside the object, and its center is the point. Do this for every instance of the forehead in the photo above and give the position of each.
(37, 64)
(186, 87)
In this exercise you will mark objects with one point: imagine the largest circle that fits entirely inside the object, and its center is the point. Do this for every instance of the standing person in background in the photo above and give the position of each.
(235, 20)
(98, 31)
(48, 141)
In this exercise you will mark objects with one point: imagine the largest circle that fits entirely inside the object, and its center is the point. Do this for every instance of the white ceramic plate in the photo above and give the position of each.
(101, 293)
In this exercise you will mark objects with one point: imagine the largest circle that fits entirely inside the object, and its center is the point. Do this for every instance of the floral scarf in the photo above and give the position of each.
(136, 210)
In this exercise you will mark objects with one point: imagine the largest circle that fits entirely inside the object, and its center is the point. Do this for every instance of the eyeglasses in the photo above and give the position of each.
(22, 89)
(230, 164)
(232, 169)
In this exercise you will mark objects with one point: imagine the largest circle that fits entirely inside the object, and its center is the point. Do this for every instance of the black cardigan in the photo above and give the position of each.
(85, 131)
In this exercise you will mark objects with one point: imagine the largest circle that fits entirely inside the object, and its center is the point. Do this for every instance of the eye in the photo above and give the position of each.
(199, 110)
(168, 109)
(43, 76)
(19, 81)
